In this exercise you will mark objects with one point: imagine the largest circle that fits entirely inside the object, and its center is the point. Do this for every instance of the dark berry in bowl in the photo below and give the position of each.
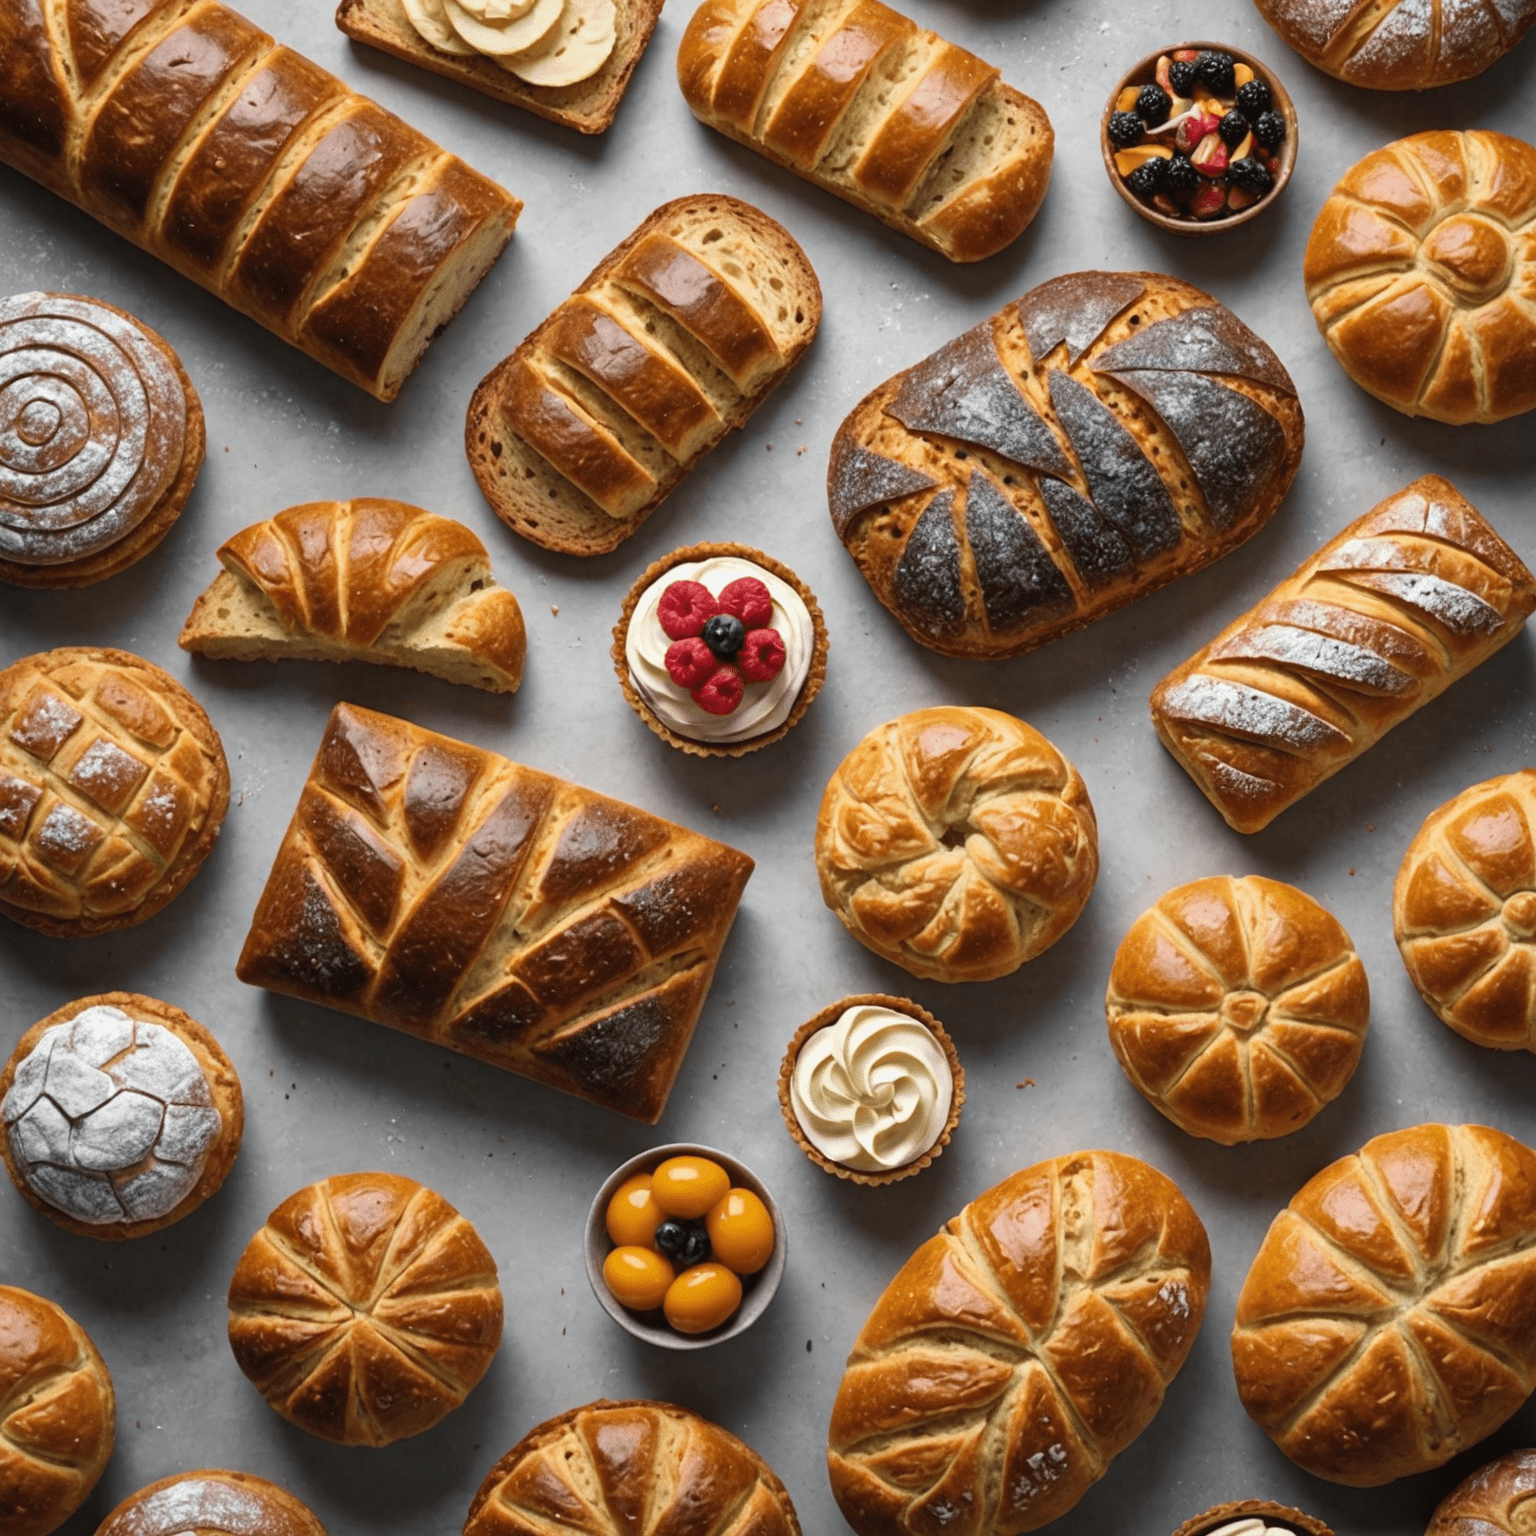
(1126, 129)
(1233, 128)
(1269, 130)
(1253, 98)
(695, 1248)
(1147, 180)
(669, 1237)
(1251, 175)
(724, 634)
(1216, 71)
(1182, 77)
(1153, 105)
(1181, 175)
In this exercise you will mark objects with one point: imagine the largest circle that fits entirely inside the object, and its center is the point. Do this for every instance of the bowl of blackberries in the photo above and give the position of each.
(1199, 138)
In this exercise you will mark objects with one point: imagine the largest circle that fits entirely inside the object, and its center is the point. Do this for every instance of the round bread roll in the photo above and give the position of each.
(113, 787)
(366, 1309)
(1238, 1008)
(1019, 1351)
(58, 1414)
(1497, 1500)
(613, 1469)
(957, 843)
(1252, 1517)
(211, 1503)
(1389, 1319)
(1418, 271)
(1464, 912)
(121, 1115)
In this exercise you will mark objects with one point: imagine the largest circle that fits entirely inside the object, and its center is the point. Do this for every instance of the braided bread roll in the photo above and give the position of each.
(1496, 1500)
(1019, 1351)
(1389, 1319)
(211, 1503)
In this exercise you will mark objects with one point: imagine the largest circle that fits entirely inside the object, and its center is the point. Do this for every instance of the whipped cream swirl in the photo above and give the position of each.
(872, 1091)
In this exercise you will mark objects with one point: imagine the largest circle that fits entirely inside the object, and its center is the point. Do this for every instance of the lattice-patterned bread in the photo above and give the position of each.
(1103, 436)
(211, 1503)
(675, 338)
(364, 580)
(1381, 620)
(879, 111)
(495, 910)
(1496, 1500)
(1019, 1351)
(1389, 1319)
(631, 1469)
(187, 130)
(113, 787)
(365, 1309)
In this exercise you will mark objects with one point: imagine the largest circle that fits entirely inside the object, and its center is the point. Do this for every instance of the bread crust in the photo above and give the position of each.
(213, 1502)
(1494, 1499)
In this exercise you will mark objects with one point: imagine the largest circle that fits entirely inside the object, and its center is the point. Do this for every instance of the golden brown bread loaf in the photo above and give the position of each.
(1420, 269)
(675, 338)
(1496, 1500)
(113, 787)
(1381, 620)
(1389, 1319)
(57, 1414)
(189, 131)
(619, 1469)
(1238, 1008)
(1103, 436)
(365, 1309)
(211, 1503)
(877, 110)
(956, 843)
(1019, 1351)
(363, 580)
(495, 910)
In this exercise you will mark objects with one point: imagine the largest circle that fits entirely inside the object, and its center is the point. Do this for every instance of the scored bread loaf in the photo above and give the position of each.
(211, 1503)
(879, 111)
(363, 580)
(676, 337)
(1381, 620)
(189, 131)
(1496, 1500)
(495, 910)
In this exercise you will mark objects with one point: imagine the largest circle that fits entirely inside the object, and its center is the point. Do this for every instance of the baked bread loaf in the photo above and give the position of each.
(190, 132)
(956, 843)
(1494, 1501)
(211, 1503)
(605, 1468)
(365, 1309)
(1381, 620)
(1238, 1008)
(878, 111)
(495, 910)
(1389, 1319)
(1019, 1351)
(364, 580)
(1103, 436)
(1253, 1517)
(113, 787)
(103, 438)
(1419, 271)
(121, 1115)
(57, 1414)
(676, 337)
(1464, 912)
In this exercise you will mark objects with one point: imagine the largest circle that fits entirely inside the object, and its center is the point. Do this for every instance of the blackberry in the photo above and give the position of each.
(1269, 130)
(1181, 175)
(1217, 72)
(1251, 176)
(1126, 129)
(1147, 180)
(1253, 99)
(1153, 105)
(1181, 76)
(724, 635)
(1233, 129)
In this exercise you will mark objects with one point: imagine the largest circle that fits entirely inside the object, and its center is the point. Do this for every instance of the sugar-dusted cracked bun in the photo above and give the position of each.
(1496, 1500)
(1420, 271)
(211, 1503)
(365, 1309)
(957, 843)
(1238, 1008)
(623, 1469)
(1389, 1319)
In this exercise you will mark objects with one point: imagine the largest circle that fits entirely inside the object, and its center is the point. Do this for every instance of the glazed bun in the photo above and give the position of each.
(211, 1503)
(1496, 1500)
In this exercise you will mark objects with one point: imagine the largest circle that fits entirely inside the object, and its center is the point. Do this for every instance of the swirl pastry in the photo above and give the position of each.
(1496, 1500)
(101, 439)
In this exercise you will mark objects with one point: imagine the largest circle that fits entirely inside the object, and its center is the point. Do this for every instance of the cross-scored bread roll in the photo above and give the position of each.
(211, 1503)
(1496, 1500)
(957, 843)
(1420, 272)
(363, 580)
(631, 1469)
(1381, 620)
(365, 1309)
(1389, 1319)
(1238, 1008)
(1019, 1351)
(877, 110)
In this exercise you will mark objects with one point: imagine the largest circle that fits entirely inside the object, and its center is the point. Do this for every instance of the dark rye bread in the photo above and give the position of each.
(1103, 436)
(675, 338)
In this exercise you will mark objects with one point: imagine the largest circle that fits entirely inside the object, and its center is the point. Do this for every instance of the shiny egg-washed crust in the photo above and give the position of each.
(1086, 445)
(1421, 272)
(634, 1468)
(1019, 1351)
(223, 1086)
(113, 787)
(1496, 1500)
(1381, 620)
(1238, 1008)
(1388, 1321)
(365, 1309)
(211, 1503)
(1283, 1515)
(58, 1414)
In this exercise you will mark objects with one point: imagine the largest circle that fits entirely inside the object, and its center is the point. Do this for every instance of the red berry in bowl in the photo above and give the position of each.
(684, 608)
(689, 662)
(720, 692)
(761, 657)
(749, 600)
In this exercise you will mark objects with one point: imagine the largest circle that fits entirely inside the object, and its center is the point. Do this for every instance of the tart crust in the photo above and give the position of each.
(1219, 1515)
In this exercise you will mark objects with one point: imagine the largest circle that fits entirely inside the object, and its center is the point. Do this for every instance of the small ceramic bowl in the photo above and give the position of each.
(1144, 74)
(756, 1290)
(1276, 1516)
